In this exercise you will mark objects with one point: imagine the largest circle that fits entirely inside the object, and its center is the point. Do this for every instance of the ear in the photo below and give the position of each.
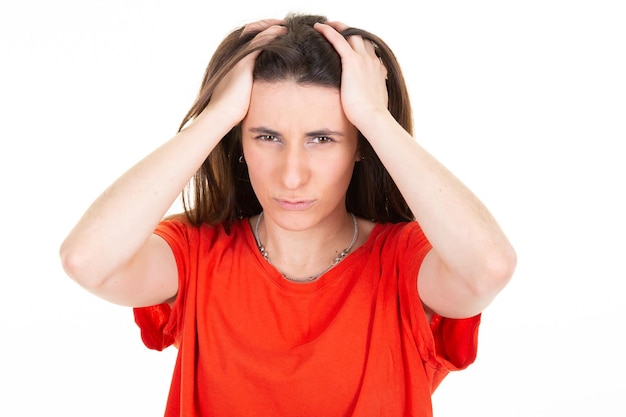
(361, 145)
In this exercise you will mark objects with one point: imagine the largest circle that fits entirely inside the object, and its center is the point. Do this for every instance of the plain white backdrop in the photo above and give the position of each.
(524, 100)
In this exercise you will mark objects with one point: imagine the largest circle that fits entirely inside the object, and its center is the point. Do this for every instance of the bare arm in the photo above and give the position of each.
(112, 250)
(471, 260)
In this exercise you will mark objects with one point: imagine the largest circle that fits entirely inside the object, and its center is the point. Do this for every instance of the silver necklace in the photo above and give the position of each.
(334, 262)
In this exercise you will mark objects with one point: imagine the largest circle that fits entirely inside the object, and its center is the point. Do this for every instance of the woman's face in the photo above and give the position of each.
(300, 150)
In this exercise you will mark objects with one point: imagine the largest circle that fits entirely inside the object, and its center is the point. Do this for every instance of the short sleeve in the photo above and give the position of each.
(445, 344)
(456, 340)
(159, 323)
(152, 322)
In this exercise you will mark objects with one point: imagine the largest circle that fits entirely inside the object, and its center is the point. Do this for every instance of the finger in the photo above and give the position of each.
(261, 25)
(356, 43)
(367, 47)
(340, 43)
(341, 27)
(361, 45)
(371, 48)
(372, 51)
(338, 26)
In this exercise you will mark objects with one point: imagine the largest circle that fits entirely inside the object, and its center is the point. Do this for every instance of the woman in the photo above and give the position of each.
(325, 265)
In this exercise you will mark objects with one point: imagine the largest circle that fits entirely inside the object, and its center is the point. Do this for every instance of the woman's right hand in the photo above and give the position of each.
(112, 250)
(231, 97)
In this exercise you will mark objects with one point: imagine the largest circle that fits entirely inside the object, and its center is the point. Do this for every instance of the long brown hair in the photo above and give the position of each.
(220, 191)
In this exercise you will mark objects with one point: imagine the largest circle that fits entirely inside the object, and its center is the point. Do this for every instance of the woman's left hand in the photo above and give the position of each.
(363, 86)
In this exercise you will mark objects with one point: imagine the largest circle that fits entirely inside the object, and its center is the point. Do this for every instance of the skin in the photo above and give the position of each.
(471, 259)
(113, 253)
(300, 149)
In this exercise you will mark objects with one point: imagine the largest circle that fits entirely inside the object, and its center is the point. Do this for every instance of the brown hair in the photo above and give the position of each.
(220, 191)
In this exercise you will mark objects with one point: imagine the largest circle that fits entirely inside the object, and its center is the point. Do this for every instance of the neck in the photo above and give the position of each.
(306, 264)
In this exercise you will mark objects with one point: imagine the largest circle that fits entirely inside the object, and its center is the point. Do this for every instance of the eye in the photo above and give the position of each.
(322, 139)
(267, 138)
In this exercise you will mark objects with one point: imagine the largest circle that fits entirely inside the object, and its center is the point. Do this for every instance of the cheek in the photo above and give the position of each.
(254, 170)
(337, 170)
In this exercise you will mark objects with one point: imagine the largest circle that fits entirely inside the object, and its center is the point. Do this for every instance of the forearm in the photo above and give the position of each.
(462, 231)
(124, 216)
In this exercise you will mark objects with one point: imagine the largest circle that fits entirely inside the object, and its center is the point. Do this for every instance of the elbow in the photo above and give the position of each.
(496, 273)
(76, 264)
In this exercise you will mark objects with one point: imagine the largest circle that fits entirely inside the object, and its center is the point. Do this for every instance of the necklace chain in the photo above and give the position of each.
(334, 262)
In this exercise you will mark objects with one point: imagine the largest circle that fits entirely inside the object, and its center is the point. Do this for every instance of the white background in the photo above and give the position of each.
(524, 100)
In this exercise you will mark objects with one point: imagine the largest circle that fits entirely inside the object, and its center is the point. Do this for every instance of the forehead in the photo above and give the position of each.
(289, 87)
(287, 103)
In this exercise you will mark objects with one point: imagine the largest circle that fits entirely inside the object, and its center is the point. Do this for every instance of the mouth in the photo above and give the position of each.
(294, 205)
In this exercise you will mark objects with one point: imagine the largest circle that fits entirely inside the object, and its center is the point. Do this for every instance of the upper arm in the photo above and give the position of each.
(448, 294)
(149, 278)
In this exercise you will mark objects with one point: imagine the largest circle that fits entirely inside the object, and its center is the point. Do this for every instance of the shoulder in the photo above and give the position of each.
(184, 236)
(178, 227)
(403, 242)
(404, 233)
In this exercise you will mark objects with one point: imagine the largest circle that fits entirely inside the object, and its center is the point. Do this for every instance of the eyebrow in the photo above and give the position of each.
(319, 132)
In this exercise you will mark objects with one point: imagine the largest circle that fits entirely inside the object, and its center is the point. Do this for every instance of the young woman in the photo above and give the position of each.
(325, 265)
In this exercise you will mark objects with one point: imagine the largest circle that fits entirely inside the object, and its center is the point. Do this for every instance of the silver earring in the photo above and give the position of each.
(241, 159)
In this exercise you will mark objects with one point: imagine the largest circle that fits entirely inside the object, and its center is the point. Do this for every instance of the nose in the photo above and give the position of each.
(295, 171)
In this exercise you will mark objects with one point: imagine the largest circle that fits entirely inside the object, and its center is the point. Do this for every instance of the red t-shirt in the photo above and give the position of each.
(355, 342)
